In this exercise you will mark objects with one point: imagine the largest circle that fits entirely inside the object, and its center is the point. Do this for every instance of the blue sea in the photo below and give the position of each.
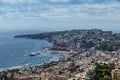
(13, 50)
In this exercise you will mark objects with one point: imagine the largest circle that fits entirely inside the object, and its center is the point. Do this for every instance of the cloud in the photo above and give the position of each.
(59, 1)
(92, 1)
(57, 9)
(98, 9)
(18, 1)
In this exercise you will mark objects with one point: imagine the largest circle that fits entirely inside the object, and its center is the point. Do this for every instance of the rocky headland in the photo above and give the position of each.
(79, 40)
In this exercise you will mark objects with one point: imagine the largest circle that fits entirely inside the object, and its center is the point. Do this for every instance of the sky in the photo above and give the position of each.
(59, 14)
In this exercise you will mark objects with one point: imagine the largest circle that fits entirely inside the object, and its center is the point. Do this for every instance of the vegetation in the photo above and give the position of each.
(100, 72)
(4, 74)
(46, 65)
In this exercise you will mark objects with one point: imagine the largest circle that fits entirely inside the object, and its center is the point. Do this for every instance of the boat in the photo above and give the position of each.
(34, 53)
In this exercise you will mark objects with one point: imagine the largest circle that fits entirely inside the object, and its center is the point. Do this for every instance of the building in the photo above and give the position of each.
(20, 77)
(116, 74)
(117, 65)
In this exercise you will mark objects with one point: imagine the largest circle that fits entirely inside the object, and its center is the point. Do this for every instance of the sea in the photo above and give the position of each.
(13, 50)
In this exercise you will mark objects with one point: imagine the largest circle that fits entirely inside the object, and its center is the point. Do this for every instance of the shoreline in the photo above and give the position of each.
(29, 64)
(11, 68)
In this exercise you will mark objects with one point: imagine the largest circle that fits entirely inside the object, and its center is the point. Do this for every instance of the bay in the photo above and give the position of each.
(13, 50)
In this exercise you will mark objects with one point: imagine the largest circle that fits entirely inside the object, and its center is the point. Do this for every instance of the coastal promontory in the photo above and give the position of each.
(79, 40)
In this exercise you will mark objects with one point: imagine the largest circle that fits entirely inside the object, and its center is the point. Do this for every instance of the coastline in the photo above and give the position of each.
(77, 60)
(29, 65)
(12, 50)
(11, 68)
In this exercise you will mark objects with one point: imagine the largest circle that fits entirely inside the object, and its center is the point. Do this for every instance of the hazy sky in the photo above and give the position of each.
(59, 14)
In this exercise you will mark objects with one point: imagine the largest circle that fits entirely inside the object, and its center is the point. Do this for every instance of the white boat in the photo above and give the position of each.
(34, 53)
